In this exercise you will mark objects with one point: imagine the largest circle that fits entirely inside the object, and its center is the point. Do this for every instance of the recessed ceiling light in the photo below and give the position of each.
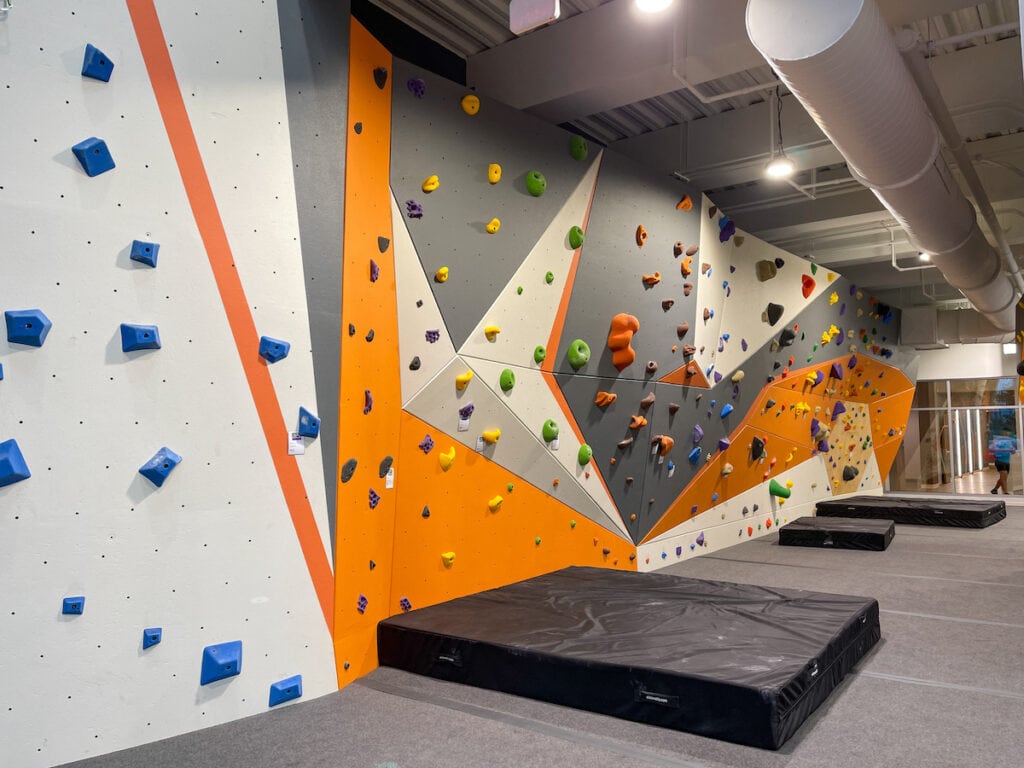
(779, 167)
(924, 256)
(653, 6)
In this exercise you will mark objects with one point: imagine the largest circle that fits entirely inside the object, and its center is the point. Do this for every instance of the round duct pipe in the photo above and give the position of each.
(839, 59)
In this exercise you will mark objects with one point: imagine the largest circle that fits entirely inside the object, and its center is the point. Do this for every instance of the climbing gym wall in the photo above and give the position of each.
(595, 365)
(167, 554)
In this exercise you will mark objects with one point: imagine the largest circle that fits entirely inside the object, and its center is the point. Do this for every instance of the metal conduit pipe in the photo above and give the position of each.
(839, 59)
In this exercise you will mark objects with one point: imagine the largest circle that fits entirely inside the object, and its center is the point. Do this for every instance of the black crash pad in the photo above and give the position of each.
(738, 662)
(959, 513)
(838, 533)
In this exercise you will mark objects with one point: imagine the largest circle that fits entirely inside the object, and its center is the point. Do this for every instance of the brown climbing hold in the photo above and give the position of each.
(681, 329)
(652, 279)
(704, 267)
(672, 408)
(677, 248)
(738, 240)
(641, 235)
(688, 350)
(687, 287)
(603, 399)
(629, 481)
(624, 444)
(636, 422)
(765, 270)
(707, 314)
(612, 461)
(667, 304)
(619, 337)
(652, 366)
(648, 401)
(686, 266)
(685, 204)
(692, 250)
(712, 211)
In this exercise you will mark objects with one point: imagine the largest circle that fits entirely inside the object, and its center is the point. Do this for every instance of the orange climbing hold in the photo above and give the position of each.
(686, 204)
(604, 398)
(619, 338)
(652, 279)
(637, 421)
(641, 235)
(686, 266)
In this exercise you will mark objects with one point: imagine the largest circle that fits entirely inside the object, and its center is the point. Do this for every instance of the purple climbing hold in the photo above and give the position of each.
(732, 268)
(374, 271)
(852, 363)
(367, 402)
(836, 371)
(427, 444)
(743, 344)
(721, 345)
(698, 433)
(466, 411)
(818, 378)
(374, 499)
(413, 209)
(815, 427)
(838, 409)
(362, 603)
(432, 335)
(823, 446)
(842, 309)
(723, 443)
(700, 539)
(416, 87)
(735, 391)
(679, 551)
(853, 289)
(404, 604)
(718, 377)
(727, 231)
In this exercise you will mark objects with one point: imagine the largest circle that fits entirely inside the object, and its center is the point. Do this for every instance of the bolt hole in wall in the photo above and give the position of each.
(956, 431)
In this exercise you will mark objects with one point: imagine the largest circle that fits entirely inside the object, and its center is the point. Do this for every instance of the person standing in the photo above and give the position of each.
(1002, 447)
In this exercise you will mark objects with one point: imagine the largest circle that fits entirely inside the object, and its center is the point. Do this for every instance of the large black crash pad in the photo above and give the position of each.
(738, 662)
(958, 513)
(838, 533)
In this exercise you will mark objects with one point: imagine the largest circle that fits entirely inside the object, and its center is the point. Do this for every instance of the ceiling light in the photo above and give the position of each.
(924, 256)
(1010, 348)
(779, 167)
(653, 6)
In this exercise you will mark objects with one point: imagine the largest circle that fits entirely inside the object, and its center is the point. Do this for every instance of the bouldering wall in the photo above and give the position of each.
(123, 592)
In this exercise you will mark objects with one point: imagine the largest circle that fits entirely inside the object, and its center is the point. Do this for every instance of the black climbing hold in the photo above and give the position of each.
(786, 337)
(369, 335)
(358, 128)
(351, 330)
(415, 364)
(1020, 368)
(776, 365)
(348, 470)
(756, 448)
(419, 303)
(773, 312)
(382, 244)
(385, 466)
(380, 77)
(849, 473)
(426, 512)
(779, 263)
(372, 565)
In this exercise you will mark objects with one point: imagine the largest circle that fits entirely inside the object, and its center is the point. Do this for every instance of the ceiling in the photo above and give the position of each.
(684, 92)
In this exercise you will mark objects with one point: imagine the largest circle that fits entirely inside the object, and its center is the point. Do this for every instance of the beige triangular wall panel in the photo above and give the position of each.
(518, 449)
(414, 321)
(533, 403)
(526, 318)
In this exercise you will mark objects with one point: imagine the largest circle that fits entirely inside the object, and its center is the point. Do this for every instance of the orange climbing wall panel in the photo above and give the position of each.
(787, 426)
(689, 375)
(491, 548)
(366, 534)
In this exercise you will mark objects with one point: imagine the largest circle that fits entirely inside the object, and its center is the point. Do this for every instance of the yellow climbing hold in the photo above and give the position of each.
(789, 483)
(463, 379)
(738, 376)
(447, 459)
(495, 504)
(431, 183)
(831, 276)
(802, 407)
(494, 173)
(830, 334)
(493, 226)
(441, 275)
(833, 298)
(470, 104)
(491, 331)
(448, 558)
(491, 436)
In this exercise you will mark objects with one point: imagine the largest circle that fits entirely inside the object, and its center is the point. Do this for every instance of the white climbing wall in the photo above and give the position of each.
(212, 556)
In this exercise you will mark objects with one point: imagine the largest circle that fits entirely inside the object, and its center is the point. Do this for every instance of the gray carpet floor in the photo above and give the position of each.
(943, 689)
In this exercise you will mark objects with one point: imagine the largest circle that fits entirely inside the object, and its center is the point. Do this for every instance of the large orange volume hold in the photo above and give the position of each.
(619, 338)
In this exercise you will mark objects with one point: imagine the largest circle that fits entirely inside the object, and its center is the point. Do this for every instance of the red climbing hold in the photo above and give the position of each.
(806, 285)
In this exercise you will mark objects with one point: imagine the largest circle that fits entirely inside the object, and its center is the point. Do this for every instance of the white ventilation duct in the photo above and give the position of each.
(839, 59)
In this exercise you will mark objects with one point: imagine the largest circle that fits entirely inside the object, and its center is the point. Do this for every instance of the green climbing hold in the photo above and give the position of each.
(584, 454)
(775, 488)
(537, 541)
(549, 278)
(578, 354)
(510, 487)
(536, 183)
(539, 354)
(507, 380)
(814, 269)
(549, 430)
(575, 237)
(572, 523)
(519, 290)
(578, 147)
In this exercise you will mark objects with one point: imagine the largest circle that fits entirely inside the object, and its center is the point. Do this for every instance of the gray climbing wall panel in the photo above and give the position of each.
(432, 135)
(314, 51)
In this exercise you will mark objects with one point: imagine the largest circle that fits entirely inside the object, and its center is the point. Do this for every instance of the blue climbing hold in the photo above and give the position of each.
(726, 409)
(694, 455)
(1, 371)
(135, 338)
(309, 425)
(159, 468)
(273, 350)
(94, 156)
(73, 606)
(13, 468)
(96, 64)
(152, 636)
(27, 326)
(221, 661)
(285, 690)
(144, 252)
